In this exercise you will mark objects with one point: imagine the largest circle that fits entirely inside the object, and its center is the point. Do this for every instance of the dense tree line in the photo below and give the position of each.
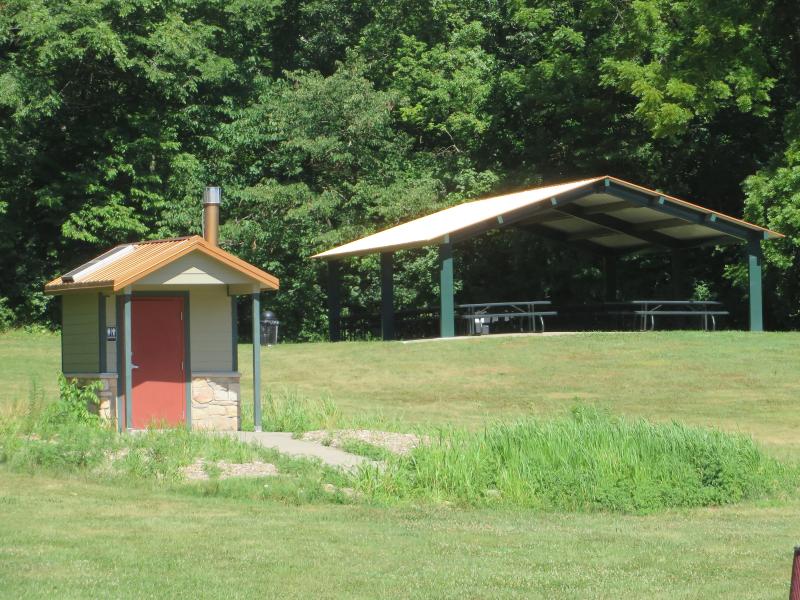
(327, 119)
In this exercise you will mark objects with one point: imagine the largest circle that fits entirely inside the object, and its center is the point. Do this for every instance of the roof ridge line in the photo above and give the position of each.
(172, 239)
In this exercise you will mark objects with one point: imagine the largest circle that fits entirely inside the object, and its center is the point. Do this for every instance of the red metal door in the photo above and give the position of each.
(157, 344)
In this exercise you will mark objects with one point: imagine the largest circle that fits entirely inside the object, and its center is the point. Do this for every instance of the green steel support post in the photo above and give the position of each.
(387, 296)
(610, 272)
(754, 258)
(127, 358)
(257, 360)
(447, 316)
(334, 302)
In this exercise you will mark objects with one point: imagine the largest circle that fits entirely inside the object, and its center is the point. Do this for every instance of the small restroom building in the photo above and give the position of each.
(156, 323)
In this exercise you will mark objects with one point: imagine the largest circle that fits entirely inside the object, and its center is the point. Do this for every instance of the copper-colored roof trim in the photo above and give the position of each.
(153, 255)
(703, 209)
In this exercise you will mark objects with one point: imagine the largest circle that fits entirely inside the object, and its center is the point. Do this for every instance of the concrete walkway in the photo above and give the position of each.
(286, 444)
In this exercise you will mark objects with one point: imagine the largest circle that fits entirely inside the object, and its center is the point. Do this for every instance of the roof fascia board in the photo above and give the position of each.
(240, 265)
(77, 288)
(695, 216)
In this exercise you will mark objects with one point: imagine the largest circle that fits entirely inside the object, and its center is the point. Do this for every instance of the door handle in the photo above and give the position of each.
(133, 366)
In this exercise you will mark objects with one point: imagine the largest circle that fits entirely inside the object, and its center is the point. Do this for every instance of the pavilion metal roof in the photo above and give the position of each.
(604, 213)
(125, 264)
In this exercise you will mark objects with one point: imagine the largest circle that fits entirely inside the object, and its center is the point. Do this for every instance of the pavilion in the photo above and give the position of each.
(606, 215)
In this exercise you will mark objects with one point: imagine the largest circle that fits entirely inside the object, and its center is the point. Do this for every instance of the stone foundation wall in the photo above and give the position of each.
(107, 393)
(215, 401)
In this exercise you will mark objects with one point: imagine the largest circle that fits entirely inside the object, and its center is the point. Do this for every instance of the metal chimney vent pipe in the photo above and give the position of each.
(212, 198)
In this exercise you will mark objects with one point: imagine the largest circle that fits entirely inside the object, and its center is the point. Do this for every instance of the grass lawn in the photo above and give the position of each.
(734, 380)
(68, 537)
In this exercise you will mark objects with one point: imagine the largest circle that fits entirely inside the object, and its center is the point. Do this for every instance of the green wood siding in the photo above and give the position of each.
(80, 333)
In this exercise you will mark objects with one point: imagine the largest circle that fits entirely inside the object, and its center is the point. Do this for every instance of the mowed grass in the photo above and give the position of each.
(737, 381)
(68, 538)
(72, 537)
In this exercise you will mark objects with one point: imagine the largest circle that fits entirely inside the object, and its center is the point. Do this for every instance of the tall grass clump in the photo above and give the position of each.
(60, 435)
(289, 411)
(588, 461)
(64, 435)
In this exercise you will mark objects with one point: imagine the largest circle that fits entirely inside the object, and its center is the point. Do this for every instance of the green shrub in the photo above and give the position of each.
(76, 404)
(589, 461)
(7, 316)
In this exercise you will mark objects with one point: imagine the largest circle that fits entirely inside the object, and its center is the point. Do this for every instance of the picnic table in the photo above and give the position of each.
(482, 314)
(648, 310)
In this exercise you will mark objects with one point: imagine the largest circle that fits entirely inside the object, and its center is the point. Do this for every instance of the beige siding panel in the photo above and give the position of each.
(80, 333)
(111, 347)
(195, 269)
(210, 329)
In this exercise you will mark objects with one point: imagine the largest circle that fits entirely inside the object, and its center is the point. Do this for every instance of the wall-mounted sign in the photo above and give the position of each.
(111, 334)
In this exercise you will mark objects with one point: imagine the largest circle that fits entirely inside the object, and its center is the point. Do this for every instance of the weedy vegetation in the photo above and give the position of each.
(512, 496)
(585, 462)
(290, 411)
(588, 461)
(65, 436)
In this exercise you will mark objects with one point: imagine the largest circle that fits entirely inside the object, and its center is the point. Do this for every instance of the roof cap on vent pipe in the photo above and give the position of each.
(212, 195)
(212, 198)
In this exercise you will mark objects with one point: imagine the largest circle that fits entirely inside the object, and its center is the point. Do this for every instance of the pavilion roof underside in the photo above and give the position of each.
(610, 223)
(603, 213)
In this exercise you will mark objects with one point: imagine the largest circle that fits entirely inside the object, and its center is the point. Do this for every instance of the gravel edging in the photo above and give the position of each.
(396, 443)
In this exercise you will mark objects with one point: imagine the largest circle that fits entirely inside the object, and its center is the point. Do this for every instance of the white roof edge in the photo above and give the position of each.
(114, 255)
(430, 228)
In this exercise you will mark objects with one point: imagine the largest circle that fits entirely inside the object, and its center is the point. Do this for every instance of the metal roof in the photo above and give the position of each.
(603, 213)
(124, 265)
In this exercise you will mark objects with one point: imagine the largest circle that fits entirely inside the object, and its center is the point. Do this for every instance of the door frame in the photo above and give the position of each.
(187, 355)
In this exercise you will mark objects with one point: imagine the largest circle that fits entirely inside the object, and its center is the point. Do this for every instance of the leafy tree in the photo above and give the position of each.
(325, 120)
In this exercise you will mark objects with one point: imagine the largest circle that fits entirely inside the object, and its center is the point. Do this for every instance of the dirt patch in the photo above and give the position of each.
(198, 470)
(397, 443)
